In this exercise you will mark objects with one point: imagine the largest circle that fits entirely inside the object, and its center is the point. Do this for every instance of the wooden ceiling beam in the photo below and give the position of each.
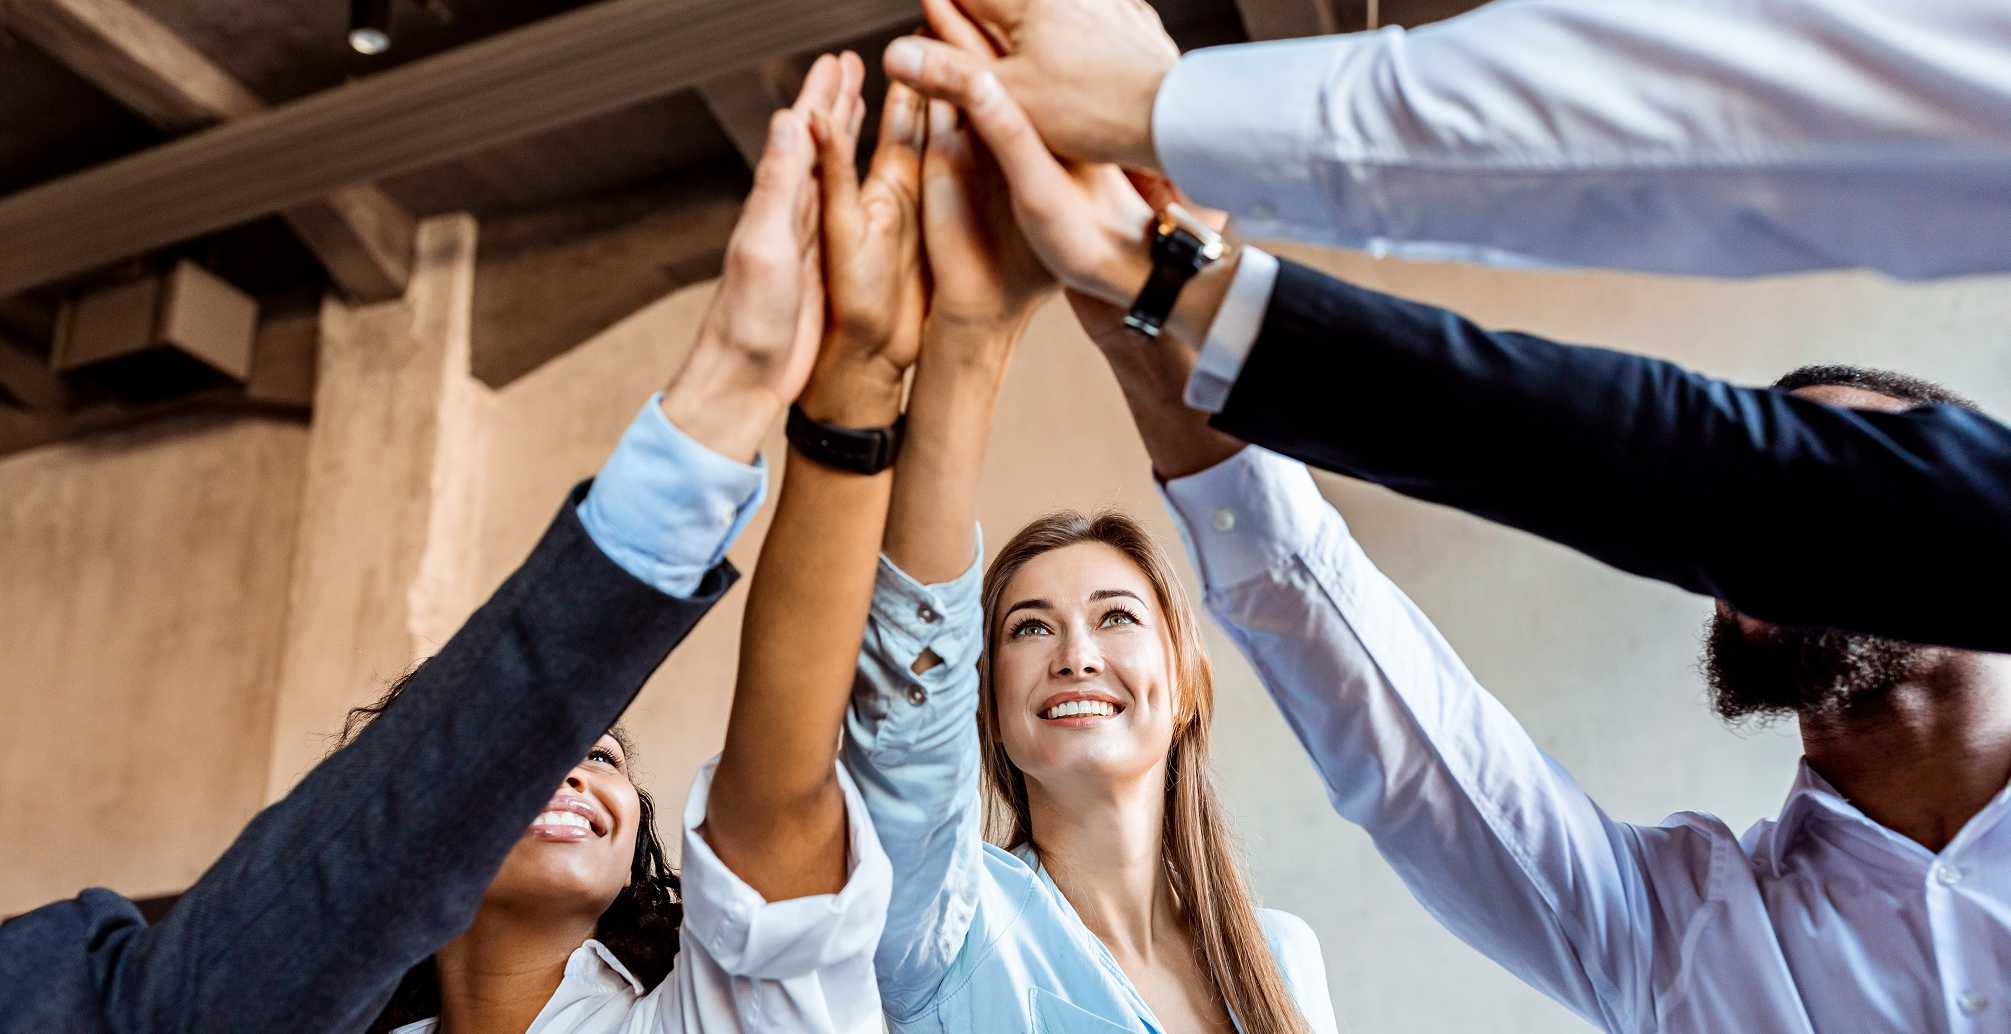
(569, 67)
(361, 236)
(30, 379)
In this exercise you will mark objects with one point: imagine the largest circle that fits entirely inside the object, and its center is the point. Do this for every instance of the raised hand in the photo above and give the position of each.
(758, 338)
(1086, 71)
(1086, 222)
(872, 257)
(986, 276)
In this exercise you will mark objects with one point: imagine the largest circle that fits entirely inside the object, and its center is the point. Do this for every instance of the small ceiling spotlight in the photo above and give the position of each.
(370, 26)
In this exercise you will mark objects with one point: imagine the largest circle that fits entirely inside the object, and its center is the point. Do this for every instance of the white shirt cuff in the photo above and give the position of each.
(1233, 332)
(1245, 515)
(752, 937)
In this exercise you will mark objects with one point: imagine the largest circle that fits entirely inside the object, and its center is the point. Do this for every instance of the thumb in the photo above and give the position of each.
(780, 178)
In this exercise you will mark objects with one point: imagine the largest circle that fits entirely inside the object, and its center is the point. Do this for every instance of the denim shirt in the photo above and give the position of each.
(978, 938)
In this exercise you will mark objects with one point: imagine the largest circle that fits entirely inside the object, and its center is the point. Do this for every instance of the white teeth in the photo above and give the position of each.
(1100, 708)
(563, 818)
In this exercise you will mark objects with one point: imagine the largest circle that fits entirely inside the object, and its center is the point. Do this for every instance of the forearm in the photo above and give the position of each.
(933, 517)
(405, 827)
(777, 816)
(1738, 493)
(1484, 829)
(1153, 374)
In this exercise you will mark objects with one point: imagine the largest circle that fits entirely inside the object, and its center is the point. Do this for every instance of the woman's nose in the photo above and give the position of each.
(1076, 659)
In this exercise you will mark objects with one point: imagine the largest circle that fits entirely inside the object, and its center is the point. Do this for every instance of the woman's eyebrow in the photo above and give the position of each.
(1105, 594)
(1032, 604)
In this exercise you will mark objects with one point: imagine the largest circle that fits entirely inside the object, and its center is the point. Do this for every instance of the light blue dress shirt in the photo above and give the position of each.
(1701, 137)
(665, 507)
(1819, 920)
(978, 938)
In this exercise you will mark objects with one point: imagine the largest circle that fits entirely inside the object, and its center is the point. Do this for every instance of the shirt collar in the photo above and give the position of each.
(1812, 798)
(584, 955)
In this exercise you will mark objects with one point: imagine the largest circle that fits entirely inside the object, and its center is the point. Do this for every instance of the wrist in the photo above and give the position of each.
(721, 399)
(857, 393)
(971, 346)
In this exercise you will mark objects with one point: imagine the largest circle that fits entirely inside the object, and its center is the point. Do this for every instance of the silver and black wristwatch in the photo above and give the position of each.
(1182, 246)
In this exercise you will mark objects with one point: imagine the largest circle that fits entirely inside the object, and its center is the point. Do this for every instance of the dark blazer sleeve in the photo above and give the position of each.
(1895, 524)
(382, 853)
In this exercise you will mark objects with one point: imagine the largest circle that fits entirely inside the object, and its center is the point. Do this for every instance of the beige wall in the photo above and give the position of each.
(1598, 664)
(143, 580)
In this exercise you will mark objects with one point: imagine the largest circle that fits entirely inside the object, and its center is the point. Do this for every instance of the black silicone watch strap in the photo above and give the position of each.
(859, 450)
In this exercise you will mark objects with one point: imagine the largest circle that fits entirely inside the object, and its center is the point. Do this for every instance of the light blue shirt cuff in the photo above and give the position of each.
(1233, 332)
(945, 618)
(665, 507)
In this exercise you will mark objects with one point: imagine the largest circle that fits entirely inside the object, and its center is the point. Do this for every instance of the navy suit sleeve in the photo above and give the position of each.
(383, 852)
(1895, 524)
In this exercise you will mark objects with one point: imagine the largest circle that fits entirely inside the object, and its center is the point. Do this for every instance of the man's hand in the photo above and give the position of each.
(1085, 222)
(1086, 71)
(758, 338)
(987, 279)
(872, 263)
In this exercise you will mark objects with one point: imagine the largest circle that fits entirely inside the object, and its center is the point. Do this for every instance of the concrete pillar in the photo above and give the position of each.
(386, 554)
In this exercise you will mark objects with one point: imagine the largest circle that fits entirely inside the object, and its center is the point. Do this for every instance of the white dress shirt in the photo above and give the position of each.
(1819, 920)
(743, 963)
(1706, 137)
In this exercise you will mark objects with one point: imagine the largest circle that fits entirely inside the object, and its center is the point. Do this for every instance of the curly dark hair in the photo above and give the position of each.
(640, 927)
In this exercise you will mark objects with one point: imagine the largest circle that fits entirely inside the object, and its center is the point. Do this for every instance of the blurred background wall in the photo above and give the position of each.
(186, 610)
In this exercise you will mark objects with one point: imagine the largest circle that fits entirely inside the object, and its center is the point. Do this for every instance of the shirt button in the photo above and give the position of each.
(927, 613)
(917, 696)
(1225, 519)
(1947, 875)
(1972, 1002)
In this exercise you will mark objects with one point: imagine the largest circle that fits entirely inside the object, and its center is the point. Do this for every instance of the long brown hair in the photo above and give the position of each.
(1196, 847)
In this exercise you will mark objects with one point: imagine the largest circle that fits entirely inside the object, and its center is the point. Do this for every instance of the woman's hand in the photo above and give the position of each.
(872, 260)
(758, 337)
(987, 279)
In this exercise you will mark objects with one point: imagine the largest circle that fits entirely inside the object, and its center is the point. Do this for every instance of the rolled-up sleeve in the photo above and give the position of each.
(749, 936)
(911, 742)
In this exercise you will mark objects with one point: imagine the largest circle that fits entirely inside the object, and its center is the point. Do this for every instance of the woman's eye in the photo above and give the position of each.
(604, 756)
(1120, 617)
(1029, 627)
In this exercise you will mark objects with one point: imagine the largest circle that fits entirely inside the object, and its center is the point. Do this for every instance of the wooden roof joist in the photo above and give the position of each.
(569, 67)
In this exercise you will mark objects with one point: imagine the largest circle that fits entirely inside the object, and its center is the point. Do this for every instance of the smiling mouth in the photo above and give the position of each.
(566, 821)
(1081, 712)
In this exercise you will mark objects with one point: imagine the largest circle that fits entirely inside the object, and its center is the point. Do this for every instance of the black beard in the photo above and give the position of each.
(1808, 672)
